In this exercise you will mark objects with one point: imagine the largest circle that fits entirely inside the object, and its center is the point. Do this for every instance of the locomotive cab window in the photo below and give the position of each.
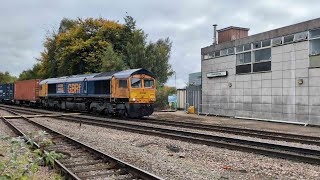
(148, 83)
(123, 83)
(136, 83)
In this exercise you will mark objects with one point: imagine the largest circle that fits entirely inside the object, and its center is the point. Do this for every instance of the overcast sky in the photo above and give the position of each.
(24, 24)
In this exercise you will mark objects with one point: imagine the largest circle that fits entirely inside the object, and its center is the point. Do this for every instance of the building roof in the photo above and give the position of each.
(233, 27)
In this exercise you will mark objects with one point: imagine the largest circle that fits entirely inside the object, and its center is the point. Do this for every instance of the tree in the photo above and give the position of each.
(153, 56)
(6, 78)
(90, 45)
(162, 96)
(33, 73)
(111, 61)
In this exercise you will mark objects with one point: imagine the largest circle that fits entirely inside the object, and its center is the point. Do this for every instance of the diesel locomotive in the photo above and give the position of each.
(128, 93)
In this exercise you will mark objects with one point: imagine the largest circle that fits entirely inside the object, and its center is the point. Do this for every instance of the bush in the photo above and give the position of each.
(162, 97)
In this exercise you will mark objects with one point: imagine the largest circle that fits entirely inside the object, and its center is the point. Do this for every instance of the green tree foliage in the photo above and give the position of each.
(93, 45)
(111, 61)
(162, 96)
(151, 56)
(33, 73)
(6, 77)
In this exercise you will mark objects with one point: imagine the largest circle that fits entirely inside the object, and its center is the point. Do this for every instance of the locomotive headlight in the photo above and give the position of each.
(134, 99)
(152, 99)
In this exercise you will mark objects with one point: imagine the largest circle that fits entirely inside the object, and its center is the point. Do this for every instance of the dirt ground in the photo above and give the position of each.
(252, 124)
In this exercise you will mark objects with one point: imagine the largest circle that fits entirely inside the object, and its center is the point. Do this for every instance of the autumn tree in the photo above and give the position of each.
(90, 45)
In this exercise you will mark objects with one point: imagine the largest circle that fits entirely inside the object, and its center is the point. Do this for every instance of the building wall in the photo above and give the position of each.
(274, 95)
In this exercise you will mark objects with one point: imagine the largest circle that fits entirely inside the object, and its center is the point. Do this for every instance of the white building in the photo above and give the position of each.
(274, 75)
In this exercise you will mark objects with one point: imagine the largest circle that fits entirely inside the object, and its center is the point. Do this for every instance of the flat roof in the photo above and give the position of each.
(233, 27)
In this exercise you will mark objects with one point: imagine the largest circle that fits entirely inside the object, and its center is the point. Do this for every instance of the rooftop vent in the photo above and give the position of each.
(232, 33)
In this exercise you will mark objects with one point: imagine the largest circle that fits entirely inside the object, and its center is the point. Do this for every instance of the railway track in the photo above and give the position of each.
(269, 149)
(272, 135)
(81, 161)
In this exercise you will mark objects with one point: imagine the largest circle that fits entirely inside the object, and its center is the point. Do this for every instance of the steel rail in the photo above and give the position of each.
(263, 134)
(282, 151)
(136, 172)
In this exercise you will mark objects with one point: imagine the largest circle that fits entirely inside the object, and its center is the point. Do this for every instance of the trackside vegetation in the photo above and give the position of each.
(20, 160)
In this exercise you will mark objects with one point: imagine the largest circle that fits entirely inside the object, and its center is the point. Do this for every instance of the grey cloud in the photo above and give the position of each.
(187, 23)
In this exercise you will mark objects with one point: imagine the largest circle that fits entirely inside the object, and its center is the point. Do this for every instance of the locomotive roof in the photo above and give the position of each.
(96, 76)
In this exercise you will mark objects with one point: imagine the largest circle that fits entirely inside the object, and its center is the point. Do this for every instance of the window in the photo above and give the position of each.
(315, 33)
(244, 58)
(301, 36)
(243, 63)
(266, 43)
(315, 47)
(136, 83)
(262, 66)
(243, 69)
(257, 45)
(314, 53)
(314, 44)
(148, 83)
(277, 41)
(239, 48)
(288, 39)
(224, 52)
(247, 47)
(216, 53)
(231, 50)
(123, 83)
(262, 55)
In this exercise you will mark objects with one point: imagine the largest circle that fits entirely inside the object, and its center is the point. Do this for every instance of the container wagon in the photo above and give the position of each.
(27, 92)
(6, 93)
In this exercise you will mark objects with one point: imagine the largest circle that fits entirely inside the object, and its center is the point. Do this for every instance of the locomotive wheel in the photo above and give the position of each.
(124, 113)
(94, 110)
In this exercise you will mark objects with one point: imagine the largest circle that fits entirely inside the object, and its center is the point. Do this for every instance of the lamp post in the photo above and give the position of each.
(175, 79)
(175, 86)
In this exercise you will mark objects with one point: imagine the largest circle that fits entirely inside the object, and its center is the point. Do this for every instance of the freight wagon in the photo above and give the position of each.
(6, 92)
(27, 92)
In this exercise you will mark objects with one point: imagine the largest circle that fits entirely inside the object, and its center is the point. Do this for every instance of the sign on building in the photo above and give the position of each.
(217, 74)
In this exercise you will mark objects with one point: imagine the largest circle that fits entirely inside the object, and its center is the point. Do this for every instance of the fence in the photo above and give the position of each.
(194, 97)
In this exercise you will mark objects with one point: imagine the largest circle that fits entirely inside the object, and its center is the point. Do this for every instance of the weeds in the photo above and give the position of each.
(18, 161)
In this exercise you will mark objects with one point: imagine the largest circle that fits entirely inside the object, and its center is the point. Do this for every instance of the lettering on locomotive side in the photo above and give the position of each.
(74, 88)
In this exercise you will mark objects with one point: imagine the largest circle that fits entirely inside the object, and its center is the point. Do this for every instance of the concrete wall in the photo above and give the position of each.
(274, 95)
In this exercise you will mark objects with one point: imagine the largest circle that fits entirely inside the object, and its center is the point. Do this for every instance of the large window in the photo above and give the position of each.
(136, 83)
(258, 60)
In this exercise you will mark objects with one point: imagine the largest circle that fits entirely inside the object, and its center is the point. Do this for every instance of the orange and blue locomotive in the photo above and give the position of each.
(129, 93)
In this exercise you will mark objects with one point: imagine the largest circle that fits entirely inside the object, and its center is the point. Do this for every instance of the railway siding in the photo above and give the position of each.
(96, 164)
